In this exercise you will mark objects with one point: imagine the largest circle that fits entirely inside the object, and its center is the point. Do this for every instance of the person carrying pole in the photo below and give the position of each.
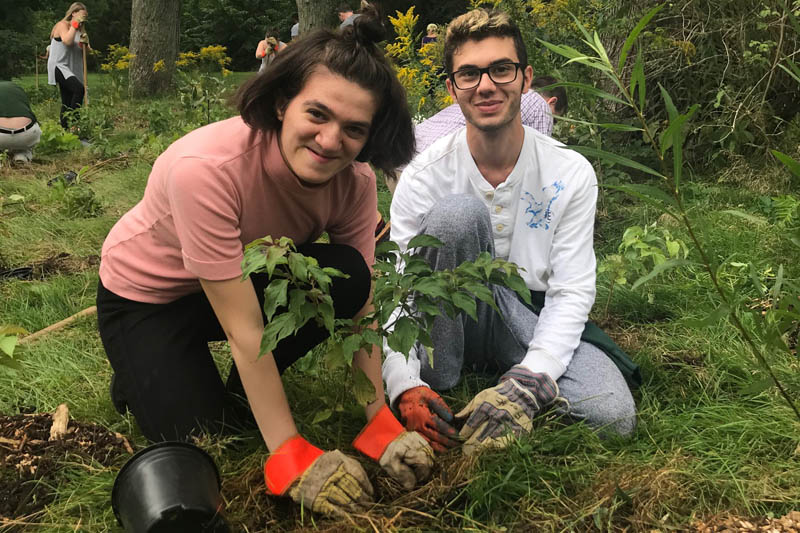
(65, 64)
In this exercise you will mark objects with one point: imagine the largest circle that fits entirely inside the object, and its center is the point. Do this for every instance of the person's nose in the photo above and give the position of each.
(329, 137)
(485, 84)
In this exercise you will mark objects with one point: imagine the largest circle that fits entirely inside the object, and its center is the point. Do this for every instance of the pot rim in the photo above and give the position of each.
(135, 459)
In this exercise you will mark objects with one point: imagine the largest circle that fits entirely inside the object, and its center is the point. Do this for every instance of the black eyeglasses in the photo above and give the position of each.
(470, 77)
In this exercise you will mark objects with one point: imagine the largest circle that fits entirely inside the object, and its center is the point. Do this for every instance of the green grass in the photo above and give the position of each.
(704, 445)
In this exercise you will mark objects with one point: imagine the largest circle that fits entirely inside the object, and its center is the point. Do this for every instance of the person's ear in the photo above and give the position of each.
(450, 89)
(280, 109)
(552, 103)
(527, 78)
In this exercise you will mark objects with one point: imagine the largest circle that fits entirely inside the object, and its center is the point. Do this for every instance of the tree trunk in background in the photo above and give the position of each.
(315, 14)
(155, 36)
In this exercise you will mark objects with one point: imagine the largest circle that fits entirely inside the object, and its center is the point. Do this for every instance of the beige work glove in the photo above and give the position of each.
(408, 459)
(334, 484)
(498, 414)
(405, 455)
(325, 482)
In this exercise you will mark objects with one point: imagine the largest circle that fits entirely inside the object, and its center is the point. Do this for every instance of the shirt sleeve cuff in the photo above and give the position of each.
(214, 270)
(541, 361)
(401, 374)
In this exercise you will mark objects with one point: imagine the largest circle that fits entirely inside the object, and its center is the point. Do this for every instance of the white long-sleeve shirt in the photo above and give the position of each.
(542, 219)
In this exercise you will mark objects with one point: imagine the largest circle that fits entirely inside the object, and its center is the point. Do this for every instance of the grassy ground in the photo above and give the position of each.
(705, 445)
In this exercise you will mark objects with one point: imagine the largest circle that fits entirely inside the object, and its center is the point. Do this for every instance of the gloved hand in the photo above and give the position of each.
(84, 37)
(325, 482)
(404, 455)
(508, 407)
(424, 411)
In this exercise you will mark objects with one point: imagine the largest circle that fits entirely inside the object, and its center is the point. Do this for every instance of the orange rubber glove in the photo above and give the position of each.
(325, 482)
(424, 411)
(404, 455)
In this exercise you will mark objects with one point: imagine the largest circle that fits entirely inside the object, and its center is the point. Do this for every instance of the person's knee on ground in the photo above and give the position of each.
(455, 217)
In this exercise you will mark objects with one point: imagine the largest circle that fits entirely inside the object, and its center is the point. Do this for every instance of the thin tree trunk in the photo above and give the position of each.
(315, 14)
(155, 36)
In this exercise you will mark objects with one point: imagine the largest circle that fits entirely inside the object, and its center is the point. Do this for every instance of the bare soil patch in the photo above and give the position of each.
(30, 462)
(62, 263)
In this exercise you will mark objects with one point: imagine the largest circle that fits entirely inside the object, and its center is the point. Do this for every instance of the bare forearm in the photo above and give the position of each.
(370, 363)
(264, 389)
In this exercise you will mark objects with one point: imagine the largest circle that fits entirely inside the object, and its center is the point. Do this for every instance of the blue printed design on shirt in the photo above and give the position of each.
(541, 212)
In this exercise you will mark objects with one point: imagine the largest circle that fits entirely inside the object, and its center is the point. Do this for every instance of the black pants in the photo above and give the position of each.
(164, 370)
(71, 95)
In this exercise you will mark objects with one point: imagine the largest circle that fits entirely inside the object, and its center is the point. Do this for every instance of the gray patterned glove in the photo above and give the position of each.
(507, 409)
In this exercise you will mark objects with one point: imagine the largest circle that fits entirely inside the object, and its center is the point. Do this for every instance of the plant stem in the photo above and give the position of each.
(759, 356)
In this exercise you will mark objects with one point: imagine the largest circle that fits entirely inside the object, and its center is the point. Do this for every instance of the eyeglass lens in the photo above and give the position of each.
(471, 77)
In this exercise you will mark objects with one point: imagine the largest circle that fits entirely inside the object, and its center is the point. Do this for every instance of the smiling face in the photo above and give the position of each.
(489, 106)
(325, 126)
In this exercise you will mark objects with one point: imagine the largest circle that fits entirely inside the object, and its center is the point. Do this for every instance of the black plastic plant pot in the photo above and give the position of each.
(169, 487)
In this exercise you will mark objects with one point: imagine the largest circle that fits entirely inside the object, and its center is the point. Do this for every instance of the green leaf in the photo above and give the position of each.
(648, 194)
(790, 163)
(417, 266)
(466, 303)
(350, 345)
(13, 330)
(626, 47)
(517, 284)
(562, 50)
(668, 136)
(334, 357)
(756, 280)
(614, 158)
(425, 305)
(599, 48)
(590, 89)
(9, 362)
(372, 337)
(424, 240)
(275, 296)
(363, 389)
(298, 267)
(712, 319)
(638, 79)
(322, 416)
(672, 112)
(433, 287)
(792, 70)
(275, 331)
(326, 312)
(483, 293)
(659, 269)
(385, 248)
(7, 344)
(776, 288)
(757, 387)
(404, 335)
(618, 127)
(746, 216)
(275, 256)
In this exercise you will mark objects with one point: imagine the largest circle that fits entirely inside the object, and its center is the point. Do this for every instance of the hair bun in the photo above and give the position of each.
(367, 29)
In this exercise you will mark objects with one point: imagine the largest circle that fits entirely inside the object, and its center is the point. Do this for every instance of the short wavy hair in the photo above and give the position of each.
(352, 53)
(477, 25)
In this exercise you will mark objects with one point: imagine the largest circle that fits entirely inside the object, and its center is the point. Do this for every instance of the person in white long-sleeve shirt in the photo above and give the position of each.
(502, 187)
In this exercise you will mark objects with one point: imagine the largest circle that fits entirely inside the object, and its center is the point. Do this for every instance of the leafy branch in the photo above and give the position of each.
(407, 296)
(669, 139)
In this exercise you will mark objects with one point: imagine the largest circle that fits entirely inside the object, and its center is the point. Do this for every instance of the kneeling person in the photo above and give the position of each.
(19, 130)
(501, 187)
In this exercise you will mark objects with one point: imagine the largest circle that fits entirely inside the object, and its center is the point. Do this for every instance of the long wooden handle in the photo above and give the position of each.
(85, 78)
(58, 325)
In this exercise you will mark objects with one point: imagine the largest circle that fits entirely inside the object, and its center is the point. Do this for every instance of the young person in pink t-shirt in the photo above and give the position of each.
(293, 164)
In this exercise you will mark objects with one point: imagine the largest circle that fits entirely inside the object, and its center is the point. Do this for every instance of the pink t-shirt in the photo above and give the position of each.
(212, 192)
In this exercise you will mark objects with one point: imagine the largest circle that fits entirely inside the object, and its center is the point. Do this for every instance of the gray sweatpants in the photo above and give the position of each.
(592, 385)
